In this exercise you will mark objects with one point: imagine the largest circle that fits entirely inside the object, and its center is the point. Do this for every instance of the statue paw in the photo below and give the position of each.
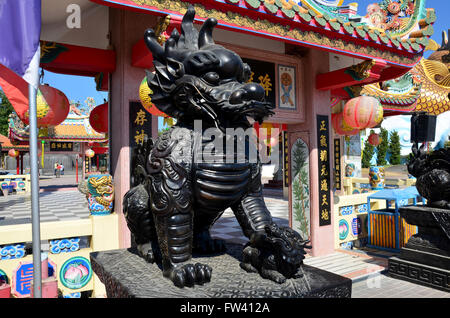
(188, 274)
(273, 275)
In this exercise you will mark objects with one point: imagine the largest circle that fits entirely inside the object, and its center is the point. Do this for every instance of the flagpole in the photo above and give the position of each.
(35, 215)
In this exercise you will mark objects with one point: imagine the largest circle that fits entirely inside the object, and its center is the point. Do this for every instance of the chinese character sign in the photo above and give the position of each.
(263, 73)
(140, 124)
(286, 159)
(323, 149)
(61, 146)
(337, 163)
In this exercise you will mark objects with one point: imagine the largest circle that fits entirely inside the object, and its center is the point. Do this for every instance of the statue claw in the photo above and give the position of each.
(187, 275)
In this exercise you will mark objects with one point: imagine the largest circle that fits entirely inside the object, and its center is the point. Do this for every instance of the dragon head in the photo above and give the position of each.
(288, 248)
(195, 78)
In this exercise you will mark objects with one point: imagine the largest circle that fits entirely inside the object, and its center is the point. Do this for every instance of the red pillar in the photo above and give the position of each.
(17, 164)
(21, 163)
(76, 169)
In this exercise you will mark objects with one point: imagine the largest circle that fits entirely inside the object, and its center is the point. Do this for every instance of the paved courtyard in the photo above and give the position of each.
(60, 200)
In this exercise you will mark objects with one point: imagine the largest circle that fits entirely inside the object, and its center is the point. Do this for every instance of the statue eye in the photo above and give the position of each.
(211, 78)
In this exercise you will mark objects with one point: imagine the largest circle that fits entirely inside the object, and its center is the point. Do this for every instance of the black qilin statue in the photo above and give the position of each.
(175, 200)
(433, 175)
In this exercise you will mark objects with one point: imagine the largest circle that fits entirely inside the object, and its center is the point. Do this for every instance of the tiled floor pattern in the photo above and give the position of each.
(53, 206)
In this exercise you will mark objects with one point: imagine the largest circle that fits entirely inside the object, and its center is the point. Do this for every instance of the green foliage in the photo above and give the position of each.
(395, 148)
(368, 152)
(161, 131)
(5, 110)
(382, 148)
(300, 186)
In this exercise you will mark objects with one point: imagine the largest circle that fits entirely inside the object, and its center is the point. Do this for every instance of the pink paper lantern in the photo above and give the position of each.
(341, 128)
(363, 112)
(13, 153)
(90, 153)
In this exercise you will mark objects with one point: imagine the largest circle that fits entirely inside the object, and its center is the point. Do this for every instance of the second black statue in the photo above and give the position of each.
(176, 198)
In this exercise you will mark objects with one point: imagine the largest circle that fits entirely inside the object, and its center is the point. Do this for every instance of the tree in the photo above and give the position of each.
(382, 148)
(367, 154)
(394, 148)
(5, 110)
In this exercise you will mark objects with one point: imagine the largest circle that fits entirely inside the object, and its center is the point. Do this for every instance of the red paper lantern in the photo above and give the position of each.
(90, 153)
(13, 153)
(339, 125)
(52, 107)
(374, 139)
(98, 118)
(363, 112)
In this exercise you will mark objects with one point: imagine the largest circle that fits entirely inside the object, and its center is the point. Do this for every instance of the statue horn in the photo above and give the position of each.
(153, 45)
(188, 32)
(205, 36)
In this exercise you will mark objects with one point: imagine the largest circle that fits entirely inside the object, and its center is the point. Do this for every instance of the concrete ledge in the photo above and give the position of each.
(125, 274)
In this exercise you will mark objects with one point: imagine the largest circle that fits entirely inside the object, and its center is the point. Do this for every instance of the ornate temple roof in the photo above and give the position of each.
(425, 88)
(7, 144)
(397, 33)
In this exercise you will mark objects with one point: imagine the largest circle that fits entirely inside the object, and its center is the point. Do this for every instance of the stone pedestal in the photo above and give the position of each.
(125, 274)
(425, 259)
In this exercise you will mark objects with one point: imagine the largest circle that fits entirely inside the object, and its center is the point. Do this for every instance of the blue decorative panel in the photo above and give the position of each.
(346, 210)
(362, 208)
(73, 295)
(23, 278)
(64, 245)
(12, 251)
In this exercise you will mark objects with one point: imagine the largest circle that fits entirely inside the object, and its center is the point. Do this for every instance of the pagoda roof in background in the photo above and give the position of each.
(75, 128)
(7, 144)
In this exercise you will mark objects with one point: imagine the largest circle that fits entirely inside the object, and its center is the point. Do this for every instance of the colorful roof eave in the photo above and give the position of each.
(16, 136)
(299, 26)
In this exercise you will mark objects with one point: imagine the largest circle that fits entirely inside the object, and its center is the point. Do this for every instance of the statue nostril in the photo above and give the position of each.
(237, 97)
(254, 92)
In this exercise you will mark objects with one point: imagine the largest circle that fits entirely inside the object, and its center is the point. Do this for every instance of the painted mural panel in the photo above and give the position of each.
(301, 216)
